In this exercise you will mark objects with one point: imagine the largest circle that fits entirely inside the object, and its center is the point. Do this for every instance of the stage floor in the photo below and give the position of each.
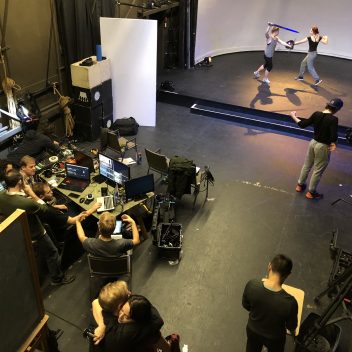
(230, 80)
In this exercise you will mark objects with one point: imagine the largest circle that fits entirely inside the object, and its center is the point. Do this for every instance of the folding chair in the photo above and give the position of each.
(120, 144)
(107, 269)
(157, 162)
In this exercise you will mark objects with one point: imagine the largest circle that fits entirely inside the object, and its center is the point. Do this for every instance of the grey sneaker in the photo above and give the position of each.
(265, 80)
(299, 78)
(256, 74)
(317, 82)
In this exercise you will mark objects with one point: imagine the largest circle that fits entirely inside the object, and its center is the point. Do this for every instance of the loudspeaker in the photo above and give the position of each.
(88, 115)
(107, 121)
(87, 132)
(92, 97)
(108, 107)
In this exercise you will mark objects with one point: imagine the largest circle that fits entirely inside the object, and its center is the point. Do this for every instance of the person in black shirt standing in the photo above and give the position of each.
(313, 40)
(318, 154)
(271, 309)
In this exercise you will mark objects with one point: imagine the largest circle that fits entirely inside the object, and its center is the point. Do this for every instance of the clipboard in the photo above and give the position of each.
(298, 294)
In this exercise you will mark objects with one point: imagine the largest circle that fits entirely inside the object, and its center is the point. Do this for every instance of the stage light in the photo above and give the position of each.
(207, 60)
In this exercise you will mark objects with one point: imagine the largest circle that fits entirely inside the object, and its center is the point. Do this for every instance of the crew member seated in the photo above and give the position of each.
(15, 198)
(27, 169)
(104, 245)
(5, 167)
(54, 217)
(35, 144)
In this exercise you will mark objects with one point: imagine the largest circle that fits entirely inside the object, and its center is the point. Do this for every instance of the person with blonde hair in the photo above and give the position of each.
(111, 299)
(104, 245)
(308, 62)
(27, 169)
(125, 322)
(272, 38)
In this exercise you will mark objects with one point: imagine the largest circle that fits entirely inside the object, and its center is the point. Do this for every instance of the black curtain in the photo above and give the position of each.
(79, 29)
(183, 42)
(194, 15)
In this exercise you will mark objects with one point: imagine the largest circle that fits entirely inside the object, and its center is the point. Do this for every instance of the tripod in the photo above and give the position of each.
(342, 285)
(207, 178)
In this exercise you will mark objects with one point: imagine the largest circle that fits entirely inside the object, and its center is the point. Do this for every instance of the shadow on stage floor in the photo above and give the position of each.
(230, 80)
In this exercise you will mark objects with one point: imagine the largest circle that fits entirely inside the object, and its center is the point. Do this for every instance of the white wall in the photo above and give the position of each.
(131, 46)
(238, 25)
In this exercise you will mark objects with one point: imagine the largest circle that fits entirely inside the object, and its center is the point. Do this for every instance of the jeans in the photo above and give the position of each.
(256, 342)
(309, 61)
(48, 251)
(318, 157)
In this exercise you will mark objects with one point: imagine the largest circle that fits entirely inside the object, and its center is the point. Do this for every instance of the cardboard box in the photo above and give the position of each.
(90, 76)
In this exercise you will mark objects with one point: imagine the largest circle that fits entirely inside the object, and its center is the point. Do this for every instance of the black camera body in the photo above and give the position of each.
(88, 333)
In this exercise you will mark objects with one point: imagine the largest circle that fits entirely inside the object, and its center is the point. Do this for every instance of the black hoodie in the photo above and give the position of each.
(33, 144)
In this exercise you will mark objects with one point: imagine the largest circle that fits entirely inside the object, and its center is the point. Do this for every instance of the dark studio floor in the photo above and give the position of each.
(253, 212)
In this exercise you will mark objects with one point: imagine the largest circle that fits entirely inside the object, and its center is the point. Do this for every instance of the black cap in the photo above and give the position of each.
(336, 103)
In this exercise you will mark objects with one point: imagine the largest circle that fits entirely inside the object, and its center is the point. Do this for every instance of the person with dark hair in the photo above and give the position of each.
(320, 147)
(5, 167)
(272, 38)
(137, 309)
(130, 326)
(54, 217)
(271, 309)
(34, 144)
(308, 62)
(16, 198)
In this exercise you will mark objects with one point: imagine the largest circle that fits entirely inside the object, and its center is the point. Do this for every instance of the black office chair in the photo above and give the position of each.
(107, 269)
(157, 162)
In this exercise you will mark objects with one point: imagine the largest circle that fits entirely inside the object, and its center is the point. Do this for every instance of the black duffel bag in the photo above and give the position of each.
(126, 126)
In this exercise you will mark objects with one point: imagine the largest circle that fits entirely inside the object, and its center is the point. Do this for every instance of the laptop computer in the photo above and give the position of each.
(83, 159)
(107, 203)
(77, 178)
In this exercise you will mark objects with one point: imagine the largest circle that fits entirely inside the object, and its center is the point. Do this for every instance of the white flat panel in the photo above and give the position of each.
(229, 26)
(131, 46)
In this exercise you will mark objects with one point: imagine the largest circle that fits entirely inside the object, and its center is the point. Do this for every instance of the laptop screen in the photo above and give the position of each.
(76, 171)
(139, 186)
(113, 169)
(83, 159)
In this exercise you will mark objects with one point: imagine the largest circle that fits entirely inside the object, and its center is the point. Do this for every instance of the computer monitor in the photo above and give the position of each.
(77, 171)
(139, 187)
(83, 159)
(113, 170)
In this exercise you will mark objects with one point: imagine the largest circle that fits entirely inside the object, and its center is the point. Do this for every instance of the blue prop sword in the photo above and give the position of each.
(286, 28)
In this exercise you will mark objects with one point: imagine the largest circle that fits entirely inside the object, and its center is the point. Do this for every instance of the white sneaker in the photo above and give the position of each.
(265, 80)
(256, 74)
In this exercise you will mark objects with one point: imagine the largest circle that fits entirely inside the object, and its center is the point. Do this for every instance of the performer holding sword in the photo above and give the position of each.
(272, 38)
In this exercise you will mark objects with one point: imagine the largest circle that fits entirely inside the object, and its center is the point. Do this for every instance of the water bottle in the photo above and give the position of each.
(116, 195)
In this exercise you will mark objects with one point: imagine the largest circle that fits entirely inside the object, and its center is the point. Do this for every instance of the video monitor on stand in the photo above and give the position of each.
(112, 171)
(138, 188)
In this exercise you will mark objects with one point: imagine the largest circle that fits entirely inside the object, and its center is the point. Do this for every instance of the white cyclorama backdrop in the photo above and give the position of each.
(131, 46)
(228, 26)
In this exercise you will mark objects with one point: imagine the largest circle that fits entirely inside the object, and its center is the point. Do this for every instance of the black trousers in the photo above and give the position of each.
(268, 63)
(256, 342)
